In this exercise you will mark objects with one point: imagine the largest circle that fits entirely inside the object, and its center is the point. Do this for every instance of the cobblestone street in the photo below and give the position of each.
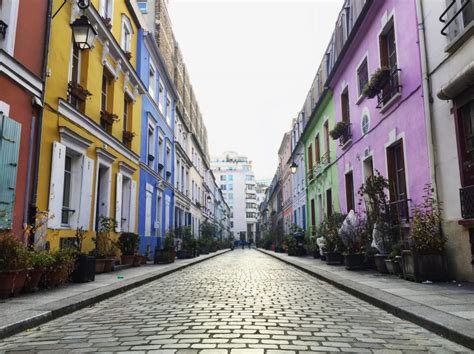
(240, 300)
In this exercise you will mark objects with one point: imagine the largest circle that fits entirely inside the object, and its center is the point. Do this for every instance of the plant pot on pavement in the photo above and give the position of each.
(84, 270)
(422, 267)
(7, 277)
(389, 263)
(354, 261)
(99, 265)
(33, 280)
(19, 281)
(397, 263)
(137, 261)
(334, 258)
(109, 265)
(380, 263)
(127, 259)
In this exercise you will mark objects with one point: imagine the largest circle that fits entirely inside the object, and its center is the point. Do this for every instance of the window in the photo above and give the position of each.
(161, 159)
(230, 178)
(310, 162)
(388, 47)
(151, 146)
(103, 96)
(143, 6)
(345, 110)
(328, 202)
(67, 191)
(168, 111)
(362, 75)
(75, 79)
(459, 20)
(317, 149)
(169, 163)
(126, 40)
(223, 178)
(326, 141)
(161, 96)
(365, 124)
(152, 81)
(350, 191)
(106, 8)
(313, 215)
(223, 187)
(127, 121)
(102, 194)
(397, 181)
(368, 166)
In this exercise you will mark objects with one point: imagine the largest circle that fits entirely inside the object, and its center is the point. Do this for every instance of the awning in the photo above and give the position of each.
(459, 83)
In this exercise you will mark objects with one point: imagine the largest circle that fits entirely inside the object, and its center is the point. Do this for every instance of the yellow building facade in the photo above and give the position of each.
(90, 137)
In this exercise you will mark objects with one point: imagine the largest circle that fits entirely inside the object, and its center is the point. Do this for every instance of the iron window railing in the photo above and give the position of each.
(467, 202)
(400, 211)
(389, 88)
(457, 15)
(346, 135)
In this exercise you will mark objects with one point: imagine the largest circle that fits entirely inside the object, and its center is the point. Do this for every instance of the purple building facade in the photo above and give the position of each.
(386, 133)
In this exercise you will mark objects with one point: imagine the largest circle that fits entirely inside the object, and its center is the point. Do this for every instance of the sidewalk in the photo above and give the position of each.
(26, 311)
(444, 308)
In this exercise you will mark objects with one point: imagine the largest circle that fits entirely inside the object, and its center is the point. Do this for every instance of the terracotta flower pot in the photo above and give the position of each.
(7, 278)
(19, 281)
(108, 265)
(127, 259)
(136, 261)
(99, 265)
(54, 277)
(33, 280)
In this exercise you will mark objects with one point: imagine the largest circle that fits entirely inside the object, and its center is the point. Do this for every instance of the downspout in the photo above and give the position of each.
(47, 36)
(426, 95)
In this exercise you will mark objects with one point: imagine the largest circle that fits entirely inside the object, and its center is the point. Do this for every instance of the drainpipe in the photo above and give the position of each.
(47, 36)
(426, 95)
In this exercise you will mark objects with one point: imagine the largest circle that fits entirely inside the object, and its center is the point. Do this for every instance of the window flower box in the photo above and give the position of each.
(128, 136)
(128, 55)
(78, 92)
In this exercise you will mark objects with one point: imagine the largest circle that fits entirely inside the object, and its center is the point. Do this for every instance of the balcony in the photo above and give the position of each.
(346, 135)
(389, 87)
(467, 202)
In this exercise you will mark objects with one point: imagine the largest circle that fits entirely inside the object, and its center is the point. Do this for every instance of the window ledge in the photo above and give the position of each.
(346, 144)
(460, 39)
(360, 99)
(390, 103)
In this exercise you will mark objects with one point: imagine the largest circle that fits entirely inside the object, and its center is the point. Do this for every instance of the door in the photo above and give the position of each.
(466, 143)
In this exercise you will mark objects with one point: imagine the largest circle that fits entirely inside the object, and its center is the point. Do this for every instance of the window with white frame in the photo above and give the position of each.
(168, 162)
(168, 110)
(9, 16)
(161, 159)
(161, 95)
(152, 81)
(362, 76)
(126, 35)
(106, 10)
(151, 146)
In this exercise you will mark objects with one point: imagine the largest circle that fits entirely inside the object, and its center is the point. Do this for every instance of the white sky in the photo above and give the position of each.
(251, 64)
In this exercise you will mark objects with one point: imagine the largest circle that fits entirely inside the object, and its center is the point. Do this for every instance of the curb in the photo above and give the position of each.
(106, 293)
(455, 329)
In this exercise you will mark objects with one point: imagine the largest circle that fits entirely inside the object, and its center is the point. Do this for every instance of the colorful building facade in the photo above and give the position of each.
(157, 163)
(90, 136)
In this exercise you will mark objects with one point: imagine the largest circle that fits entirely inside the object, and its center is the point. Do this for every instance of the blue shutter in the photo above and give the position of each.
(9, 150)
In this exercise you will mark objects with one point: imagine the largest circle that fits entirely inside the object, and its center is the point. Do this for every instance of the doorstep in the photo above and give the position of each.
(30, 310)
(446, 308)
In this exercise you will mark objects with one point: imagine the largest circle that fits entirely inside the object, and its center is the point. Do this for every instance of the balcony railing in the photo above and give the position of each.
(467, 202)
(321, 165)
(346, 135)
(389, 87)
(400, 211)
(3, 29)
(456, 19)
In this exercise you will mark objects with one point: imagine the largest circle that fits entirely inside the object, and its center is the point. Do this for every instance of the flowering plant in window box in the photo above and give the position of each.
(128, 55)
(108, 117)
(128, 136)
(339, 130)
(107, 22)
(376, 82)
(78, 92)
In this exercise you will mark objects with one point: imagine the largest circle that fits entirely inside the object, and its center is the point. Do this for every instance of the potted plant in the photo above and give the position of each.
(84, 269)
(425, 260)
(168, 253)
(188, 244)
(61, 269)
(128, 243)
(378, 218)
(351, 234)
(108, 118)
(14, 262)
(40, 261)
(376, 82)
(78, 92)
(333, 246)
(104, 247)
(392, 262)
(339, 130)
(128, 136)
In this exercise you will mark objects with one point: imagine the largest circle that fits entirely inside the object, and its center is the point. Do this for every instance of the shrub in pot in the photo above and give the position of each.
(351, 234)
(61, 269)
(40, 261)
(188, 244)
(84, 267)
(334, 246)
(104, 247)
(128, 243)
(393, 266)
(168, 253)
(426, 260)
(14, 261)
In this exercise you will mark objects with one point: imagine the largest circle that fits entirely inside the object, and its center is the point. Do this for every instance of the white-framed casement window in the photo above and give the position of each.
(159, 216)
(9, 16)
(151, 146)
(152, 81)
(161, 159)
(126, 35)
(75, 75)
(459, 18)
(169, 162)
(70, 192)
(148, 208)
(106, 10)
(161, 95)
(103, 186)
(362, 76)
(143, 6)
(168, 110)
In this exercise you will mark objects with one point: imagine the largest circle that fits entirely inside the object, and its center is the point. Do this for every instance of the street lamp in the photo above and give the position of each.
(84, 33)
(293, 167)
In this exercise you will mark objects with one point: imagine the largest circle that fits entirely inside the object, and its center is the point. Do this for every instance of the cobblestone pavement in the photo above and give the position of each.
(240, 302)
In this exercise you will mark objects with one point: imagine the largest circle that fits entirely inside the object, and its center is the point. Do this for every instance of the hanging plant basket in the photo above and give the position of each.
(108, 117)
(78, 92)
(128, 136)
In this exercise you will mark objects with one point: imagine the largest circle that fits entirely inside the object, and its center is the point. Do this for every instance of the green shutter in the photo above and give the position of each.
(9, 150)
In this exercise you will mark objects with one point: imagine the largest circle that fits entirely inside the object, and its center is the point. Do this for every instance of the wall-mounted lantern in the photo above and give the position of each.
(84, 33)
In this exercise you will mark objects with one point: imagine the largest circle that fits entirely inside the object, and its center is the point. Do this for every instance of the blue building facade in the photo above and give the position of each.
(156, 192)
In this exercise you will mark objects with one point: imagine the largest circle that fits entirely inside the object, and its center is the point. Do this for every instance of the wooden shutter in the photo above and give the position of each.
(10, 134)
(133, 205)
(56, 187)
(118, 202)
(85, 203)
